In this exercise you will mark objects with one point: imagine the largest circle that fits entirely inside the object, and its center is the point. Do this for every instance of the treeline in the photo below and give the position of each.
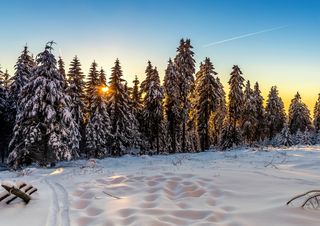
(49, 115)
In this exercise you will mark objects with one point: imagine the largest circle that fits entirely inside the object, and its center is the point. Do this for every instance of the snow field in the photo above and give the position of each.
(236, 188)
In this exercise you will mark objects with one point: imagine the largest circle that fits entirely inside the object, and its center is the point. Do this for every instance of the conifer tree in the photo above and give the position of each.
(316, 115)
(230, 134)
(206, 91)
(2, 94)
(98, 129)
(260, 127)
(284, 138)
(299, 115)
(91, 84)
(6, 114)
(5, 80)
(136, 95)
(217, 118)
(236, 98)
(152, 107)
(185, 65)
(172, 105)
(123, 123)
(61, 69)
(275, 113)
(248, 119)
(24, 68)
(3, 117)
(44, 130)
(75, 90)
(102, 78)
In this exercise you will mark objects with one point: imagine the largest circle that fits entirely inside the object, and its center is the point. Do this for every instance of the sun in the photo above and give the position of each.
(105, 89)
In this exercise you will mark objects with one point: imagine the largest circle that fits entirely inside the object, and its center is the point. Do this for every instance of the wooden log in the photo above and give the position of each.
(17, 192)
(7, 195)
(26, 189)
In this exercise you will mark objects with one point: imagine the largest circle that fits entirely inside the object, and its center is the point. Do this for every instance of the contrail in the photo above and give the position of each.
(244, 36)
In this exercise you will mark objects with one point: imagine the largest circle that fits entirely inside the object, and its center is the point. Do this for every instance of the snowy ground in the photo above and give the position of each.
(241, 187)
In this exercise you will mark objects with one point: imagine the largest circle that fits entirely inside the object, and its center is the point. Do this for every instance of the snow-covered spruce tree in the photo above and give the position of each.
(75, 90)
(303, 138)
(185, 65)
(102, 78)
(98, 129)
(5, 80)
(3, 117)
(235, 109)
(236, 96)
(260, 127)
(61, 69)
(284, 138)
(124, 127)
(299, 115)
(44, 130)
(316, 115)
(152, 107)
(136, 99)
(90, 85)
(207, 100)
(275, 113)
(6, 114)
(172, 106)
(23, 71)
(230, 136)
(2, 94)
(217, 118)
(248, 119)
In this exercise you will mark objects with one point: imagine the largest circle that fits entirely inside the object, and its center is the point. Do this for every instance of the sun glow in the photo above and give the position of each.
(105, 89)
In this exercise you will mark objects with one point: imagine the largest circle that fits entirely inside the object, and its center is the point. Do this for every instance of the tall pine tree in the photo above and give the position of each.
(230, 134)
(207, 98)
(299, 115)
(316, 115)
(248, 119)
(260, 127)
(185, 65)
(172, 105)
(98, 129)
(24, 68)
(236, 96)
(91, 85)
(152, 107)
(44, 130)
(136, 95)
(123, 123)
(217, 118)
(75, 90)
(61, 69)
(3, 117)
(275, 113)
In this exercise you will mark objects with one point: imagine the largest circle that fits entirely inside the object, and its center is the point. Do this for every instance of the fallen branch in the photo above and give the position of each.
(301, 195)
(113, 196)
(311, 199)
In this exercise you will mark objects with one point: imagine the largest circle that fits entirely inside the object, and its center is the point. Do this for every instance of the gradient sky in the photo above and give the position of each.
(284, 51)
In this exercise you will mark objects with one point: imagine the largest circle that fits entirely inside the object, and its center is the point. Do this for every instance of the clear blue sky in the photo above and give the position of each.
(136, 31)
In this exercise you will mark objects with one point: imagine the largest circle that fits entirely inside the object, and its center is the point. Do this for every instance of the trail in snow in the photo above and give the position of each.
(59, 208)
